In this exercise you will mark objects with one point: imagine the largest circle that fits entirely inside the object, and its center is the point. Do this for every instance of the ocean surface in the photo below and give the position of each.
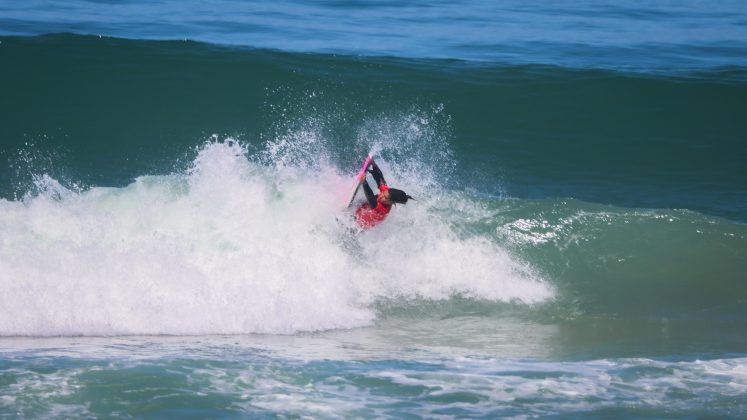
(174, 240)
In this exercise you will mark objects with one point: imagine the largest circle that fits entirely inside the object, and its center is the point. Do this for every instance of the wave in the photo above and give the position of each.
(541, 191)
(243, 242)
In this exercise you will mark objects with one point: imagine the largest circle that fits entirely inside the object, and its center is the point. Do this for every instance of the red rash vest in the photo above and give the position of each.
(368, 217)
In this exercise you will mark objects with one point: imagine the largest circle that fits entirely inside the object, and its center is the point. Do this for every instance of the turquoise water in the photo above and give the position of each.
(173, 240)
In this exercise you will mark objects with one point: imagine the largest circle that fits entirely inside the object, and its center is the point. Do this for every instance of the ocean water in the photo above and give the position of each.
(174, 240)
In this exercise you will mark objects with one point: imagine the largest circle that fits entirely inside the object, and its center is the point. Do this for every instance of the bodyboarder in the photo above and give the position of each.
(377, 207)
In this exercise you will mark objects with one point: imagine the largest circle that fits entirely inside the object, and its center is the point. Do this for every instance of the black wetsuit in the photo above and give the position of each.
(379, 178)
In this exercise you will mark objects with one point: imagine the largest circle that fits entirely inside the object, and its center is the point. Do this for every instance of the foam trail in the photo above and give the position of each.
(231, 246)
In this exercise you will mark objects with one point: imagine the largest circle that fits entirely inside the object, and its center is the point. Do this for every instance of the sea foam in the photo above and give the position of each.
(237, 243)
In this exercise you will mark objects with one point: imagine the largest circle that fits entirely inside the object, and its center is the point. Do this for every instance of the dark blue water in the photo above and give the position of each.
(669, 36)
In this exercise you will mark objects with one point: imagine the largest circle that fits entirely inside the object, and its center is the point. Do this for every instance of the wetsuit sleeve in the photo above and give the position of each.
(376, 172)
(369, 194)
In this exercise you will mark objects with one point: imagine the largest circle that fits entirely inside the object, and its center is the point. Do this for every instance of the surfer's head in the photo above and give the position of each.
(398, 196)
(384, 197)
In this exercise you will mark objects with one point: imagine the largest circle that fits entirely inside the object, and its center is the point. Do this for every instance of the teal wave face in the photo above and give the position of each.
(99, 111)
(646, 263)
